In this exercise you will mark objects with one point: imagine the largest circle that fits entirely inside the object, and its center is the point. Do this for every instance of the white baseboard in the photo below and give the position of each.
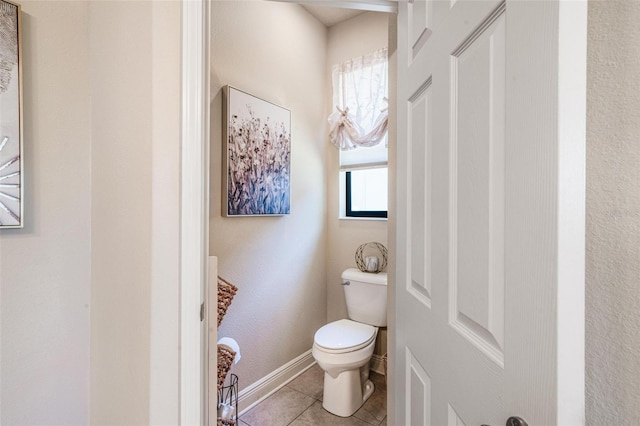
(377, 364)
(258, 391)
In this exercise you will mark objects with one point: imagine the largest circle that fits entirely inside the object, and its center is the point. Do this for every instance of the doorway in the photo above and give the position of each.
(254, 239)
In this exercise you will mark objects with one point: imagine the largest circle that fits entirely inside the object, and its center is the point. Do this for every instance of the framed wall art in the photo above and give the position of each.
(256, 156)
(11, 161)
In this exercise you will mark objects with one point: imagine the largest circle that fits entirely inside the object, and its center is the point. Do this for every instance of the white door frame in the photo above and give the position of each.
(194, 216)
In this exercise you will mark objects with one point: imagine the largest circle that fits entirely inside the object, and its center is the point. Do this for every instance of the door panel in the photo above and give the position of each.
(419, 145)
(477, 187)
(418, 392)
(454, 419)
(419, 25)
(479, 217)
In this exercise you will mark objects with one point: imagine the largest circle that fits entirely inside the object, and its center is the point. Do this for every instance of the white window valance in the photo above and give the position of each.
(360, 118)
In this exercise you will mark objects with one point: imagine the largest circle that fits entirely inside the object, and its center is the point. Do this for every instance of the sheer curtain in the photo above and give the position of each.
(360, 90)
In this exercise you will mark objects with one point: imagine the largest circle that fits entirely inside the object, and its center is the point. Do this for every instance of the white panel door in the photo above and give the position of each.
(490, 191)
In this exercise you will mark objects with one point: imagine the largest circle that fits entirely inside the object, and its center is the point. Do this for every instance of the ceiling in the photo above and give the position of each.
(331, 15)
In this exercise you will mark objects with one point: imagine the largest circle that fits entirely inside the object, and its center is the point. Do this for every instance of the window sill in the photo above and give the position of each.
(375, 219)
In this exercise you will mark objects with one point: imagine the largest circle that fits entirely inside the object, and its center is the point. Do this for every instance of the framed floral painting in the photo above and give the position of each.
(11, 162)
(256, 157)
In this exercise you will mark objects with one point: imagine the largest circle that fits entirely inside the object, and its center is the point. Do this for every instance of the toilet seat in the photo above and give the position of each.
(344, 336)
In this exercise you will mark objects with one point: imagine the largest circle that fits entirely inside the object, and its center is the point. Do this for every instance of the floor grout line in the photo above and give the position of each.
(306, 409)
(372, 421)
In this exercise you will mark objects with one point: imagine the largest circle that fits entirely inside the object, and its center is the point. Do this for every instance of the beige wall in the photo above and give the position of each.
(89, 288)
(355, 37)
(135, 110)
(164, 392)
(45, 267)
(275, 51)
(95, 270)
(121, 177)
(613, 214)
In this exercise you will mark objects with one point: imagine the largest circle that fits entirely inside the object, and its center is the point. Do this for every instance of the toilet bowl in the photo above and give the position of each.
(343, 348)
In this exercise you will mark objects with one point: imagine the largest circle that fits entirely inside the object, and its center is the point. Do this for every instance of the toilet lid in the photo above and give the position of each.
(345, 335)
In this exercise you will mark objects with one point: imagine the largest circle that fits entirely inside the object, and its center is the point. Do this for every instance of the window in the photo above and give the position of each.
(366, 192)
(358, 128)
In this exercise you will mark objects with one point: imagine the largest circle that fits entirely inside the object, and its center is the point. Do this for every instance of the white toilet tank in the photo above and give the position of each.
(366, 296)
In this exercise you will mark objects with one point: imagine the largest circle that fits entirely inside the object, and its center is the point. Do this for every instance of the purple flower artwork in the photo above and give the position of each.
(258, 156)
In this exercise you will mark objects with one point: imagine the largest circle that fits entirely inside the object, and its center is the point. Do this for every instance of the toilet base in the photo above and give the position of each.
(344, 395)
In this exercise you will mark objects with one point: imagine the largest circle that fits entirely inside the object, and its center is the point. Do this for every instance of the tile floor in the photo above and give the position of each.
(299, 403)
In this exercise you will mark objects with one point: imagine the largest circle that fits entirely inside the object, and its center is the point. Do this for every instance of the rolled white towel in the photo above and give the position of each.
(233, 345)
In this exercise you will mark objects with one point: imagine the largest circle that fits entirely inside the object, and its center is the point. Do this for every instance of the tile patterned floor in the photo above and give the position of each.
(299, 403)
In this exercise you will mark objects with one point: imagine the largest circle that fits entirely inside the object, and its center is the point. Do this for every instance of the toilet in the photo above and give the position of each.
(344, 348)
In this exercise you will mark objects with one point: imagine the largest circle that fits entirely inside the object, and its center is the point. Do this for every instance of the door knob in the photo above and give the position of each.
(515, 421)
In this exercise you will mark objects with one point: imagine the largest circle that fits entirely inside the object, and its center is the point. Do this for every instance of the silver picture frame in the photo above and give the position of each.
(256, 156)
(11, 118)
